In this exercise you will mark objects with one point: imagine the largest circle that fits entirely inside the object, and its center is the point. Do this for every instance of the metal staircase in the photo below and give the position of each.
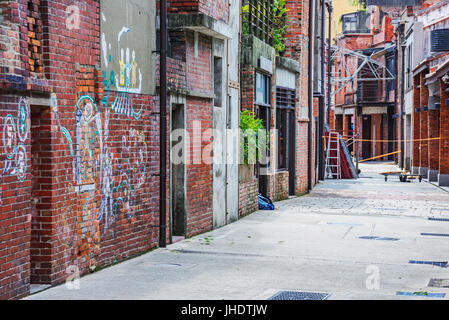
(333, 160)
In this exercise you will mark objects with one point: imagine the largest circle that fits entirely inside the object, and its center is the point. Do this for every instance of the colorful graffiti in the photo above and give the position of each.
(129, 79)
(15, 133)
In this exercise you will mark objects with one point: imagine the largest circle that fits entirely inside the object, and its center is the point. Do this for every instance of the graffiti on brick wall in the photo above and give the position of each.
(95, 159)
(127, 81)
(15, 133)
(89, 140)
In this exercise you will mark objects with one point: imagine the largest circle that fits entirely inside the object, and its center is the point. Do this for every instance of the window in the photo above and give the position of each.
(263, 111)
(285, 108)
(218, 81)
(409, 67)
(262, 89)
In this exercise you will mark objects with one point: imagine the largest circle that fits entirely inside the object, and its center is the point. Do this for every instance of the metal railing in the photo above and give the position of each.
(258, 19)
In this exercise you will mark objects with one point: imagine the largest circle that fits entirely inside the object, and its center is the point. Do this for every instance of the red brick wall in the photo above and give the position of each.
(434, 145)
(416, 121)
(424, 123)
(296, 48)
(444, 130)
(301, 158)
(15, 210)
(199, 175)
(218, 9)
(114, 217)
(282, 179)
(248, 202)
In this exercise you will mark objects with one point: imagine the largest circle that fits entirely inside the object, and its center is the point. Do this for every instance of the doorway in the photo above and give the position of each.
(178, 188)
(366, 135)
(291, 153)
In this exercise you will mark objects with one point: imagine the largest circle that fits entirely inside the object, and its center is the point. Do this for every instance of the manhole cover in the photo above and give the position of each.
(298, 295)
(421, 294)
(439, 283)
(378, 238)
(442, 264)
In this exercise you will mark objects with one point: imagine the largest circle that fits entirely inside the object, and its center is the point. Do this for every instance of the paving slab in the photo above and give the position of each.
(353, 239)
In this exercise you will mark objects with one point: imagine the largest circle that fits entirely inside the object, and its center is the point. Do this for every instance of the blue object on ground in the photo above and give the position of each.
(265, 203)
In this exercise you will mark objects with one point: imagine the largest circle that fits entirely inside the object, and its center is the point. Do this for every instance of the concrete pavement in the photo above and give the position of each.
(311, 243)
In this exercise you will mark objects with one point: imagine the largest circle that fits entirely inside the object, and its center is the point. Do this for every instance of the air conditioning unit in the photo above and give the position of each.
(439, 40)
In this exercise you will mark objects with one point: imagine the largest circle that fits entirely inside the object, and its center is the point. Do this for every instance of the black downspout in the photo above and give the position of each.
(163, 126)
(310, 90)
(401, 112)
(329, 65)
(322, 98)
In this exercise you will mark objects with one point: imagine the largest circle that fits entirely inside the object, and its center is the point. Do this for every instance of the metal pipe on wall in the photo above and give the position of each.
(329, 64)
(401, 111)
(163, 126)
(310, 91)
(322, 104)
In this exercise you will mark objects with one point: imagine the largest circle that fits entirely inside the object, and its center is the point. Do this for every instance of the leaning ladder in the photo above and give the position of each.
(333, 170)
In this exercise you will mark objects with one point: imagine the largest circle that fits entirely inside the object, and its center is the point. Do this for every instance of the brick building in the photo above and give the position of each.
(275, 86)
(365, 98)
(425, 79)
(80, 148)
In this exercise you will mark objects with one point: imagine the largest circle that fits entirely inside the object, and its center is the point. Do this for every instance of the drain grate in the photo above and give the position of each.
(378, 238)
(439, 219)
(439, 283)
(435, 234)
(298, 295)
(442, 264)
(421, 294)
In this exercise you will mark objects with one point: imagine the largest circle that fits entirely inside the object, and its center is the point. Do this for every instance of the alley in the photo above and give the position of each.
(314, 243)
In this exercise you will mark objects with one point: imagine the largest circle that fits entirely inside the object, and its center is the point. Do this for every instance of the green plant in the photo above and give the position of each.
(279, 23)
(251, 126)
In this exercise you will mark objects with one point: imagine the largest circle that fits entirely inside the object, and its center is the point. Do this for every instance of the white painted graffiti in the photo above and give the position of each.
(15, 132)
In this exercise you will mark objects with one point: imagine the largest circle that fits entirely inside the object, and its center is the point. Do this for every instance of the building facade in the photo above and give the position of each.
(80, 116)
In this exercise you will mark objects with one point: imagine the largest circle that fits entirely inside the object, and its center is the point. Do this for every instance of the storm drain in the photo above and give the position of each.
(435, 234)
(378, 238)
(442, 264)
(439, 283)
(439, 219)
(421, 294)
(298, 295)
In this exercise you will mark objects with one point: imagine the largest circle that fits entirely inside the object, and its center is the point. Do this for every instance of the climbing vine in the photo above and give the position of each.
(252, 126)
(278, 28)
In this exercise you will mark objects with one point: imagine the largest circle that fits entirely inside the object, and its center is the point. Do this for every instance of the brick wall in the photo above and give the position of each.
(218, 9)
(433, 132)
(416, 130)
(296, 48)
(248, 202)
(424, 123)
(15, 210)
(444, 130)
(282, 179)
(77, 185)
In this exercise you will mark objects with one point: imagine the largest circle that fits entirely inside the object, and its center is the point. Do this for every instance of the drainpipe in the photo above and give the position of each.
(401, 115)
(163, 126)
(322, 104)
(310, 90)
(329, 64)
